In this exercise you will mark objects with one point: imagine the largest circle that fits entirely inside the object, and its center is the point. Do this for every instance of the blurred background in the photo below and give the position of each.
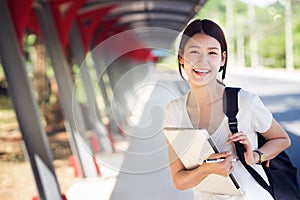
(98, 120)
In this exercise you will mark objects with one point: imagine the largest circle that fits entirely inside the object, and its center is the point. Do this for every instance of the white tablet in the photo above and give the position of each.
(190, 145)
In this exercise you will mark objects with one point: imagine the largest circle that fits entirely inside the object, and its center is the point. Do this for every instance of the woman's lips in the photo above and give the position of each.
(201, 72)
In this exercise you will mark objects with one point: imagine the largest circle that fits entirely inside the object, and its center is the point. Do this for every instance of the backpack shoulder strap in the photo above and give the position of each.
(230, 108)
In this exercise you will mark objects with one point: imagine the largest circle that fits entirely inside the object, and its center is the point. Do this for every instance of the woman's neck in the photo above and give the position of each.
(202, 96)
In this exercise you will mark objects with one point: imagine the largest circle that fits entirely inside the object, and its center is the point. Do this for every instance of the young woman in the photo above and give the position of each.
(202, 55)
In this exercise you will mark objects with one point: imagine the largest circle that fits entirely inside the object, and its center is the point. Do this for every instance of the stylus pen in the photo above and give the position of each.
(215, 160)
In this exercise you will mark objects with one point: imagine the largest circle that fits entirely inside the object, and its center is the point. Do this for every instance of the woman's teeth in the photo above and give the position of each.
(201, 70)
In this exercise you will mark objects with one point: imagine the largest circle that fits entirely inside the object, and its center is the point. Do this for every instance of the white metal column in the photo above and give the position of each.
(71, 109)
(26, 108)
(93, 112)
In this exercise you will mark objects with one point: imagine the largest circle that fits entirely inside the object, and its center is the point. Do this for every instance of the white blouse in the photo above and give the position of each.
(252, 117)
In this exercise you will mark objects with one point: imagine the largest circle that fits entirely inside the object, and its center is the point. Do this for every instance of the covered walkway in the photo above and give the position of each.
(115, 47)
(116, 43)
(141, 171)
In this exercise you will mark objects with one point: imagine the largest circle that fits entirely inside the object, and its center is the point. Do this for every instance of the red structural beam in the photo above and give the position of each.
(89, 21)
(106, 30)
(64, 13)
(20, 13)
(121, 45)
(127, 44)
(33, 25)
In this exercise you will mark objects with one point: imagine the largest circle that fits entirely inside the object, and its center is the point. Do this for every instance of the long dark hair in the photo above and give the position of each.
(207, 27)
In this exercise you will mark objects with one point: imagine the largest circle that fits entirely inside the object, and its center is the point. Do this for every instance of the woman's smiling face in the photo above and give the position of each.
(202, 59)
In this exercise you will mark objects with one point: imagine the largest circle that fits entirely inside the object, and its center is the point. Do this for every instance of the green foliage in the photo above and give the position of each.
(29, 41)
(269, 29)
(296, 39)
(5, 103)
(272, 50)
(271, 38)
(214, 10)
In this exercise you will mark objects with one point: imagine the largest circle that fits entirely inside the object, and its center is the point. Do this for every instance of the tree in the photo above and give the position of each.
(277, 47)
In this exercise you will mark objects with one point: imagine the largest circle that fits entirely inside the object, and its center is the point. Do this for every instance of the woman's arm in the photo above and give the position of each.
(277, 141)
(184, 179)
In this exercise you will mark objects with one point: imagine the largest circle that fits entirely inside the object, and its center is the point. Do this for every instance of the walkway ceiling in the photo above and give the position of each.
(136, 14)
(172, 14)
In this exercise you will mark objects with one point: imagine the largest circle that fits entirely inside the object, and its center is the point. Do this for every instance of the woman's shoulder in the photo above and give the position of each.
(248, 100)
(176, 103)
(173, 112)
(246, 96)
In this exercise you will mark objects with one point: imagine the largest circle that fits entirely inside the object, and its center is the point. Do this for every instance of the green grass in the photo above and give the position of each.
(8, 119)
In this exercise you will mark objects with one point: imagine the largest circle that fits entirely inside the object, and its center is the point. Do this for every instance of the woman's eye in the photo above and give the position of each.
(194, 52)
(212, 53)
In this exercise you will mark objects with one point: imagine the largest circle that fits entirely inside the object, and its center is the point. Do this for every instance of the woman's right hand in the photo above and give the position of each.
(223, 168)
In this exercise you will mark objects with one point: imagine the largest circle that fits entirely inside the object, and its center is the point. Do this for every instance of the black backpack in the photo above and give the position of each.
(282, 174)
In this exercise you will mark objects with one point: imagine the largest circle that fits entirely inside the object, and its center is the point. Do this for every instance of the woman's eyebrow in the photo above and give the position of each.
(198, 47)
(193, 46)
(213, 48)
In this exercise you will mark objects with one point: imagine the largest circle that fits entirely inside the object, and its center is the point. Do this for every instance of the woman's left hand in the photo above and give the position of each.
(242, 138)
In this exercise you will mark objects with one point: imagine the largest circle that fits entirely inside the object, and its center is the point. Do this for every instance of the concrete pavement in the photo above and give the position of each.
(140, 171)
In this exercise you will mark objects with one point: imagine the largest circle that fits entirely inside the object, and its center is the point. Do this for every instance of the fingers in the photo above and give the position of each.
(220, 155)
(223, 167)
(226, 166)
(240, 137)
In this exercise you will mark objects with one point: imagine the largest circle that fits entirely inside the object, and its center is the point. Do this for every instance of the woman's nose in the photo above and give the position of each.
(202, 58)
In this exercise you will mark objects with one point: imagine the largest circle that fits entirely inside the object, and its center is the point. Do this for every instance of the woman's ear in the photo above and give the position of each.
(223, 59)
(180, 58)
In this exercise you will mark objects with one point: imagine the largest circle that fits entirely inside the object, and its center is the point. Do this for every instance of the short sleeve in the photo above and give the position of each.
(167, 121)
(173, 115)
(261, 117)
